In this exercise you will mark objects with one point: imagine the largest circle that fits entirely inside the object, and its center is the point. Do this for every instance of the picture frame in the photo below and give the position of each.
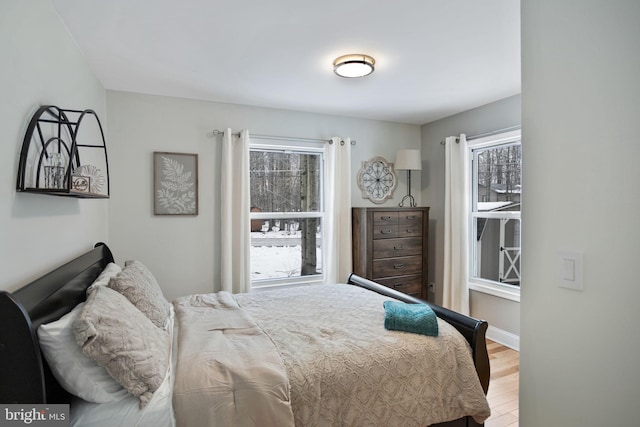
(175, 183)
(80, 183)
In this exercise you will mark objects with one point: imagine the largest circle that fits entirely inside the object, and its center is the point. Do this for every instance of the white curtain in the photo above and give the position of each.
(456, 225)
(234, 217)
(337, 227)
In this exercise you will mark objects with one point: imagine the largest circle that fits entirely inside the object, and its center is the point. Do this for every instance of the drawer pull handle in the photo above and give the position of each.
(385, 231)
(398, 248)
(411, 217)
(385, 218)
(398, 285)
(410, 230)
(398, 266)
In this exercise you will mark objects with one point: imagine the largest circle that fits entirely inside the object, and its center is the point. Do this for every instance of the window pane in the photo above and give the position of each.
(285, 181)
(497, 186)
(286, 248)
(496, 251)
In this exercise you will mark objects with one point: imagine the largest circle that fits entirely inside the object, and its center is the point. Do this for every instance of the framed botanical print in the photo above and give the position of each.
(175, 183)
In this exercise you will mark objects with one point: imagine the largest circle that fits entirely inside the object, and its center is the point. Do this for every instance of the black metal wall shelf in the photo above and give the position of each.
(65, 193)
(53, 136)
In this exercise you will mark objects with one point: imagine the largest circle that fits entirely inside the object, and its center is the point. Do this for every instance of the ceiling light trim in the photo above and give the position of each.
(354, 65)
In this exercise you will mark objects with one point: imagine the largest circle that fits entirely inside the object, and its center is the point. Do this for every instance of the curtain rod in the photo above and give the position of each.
(216, 132)
(482, 135)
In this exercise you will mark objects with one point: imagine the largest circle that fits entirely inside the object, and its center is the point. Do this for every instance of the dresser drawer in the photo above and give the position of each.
(410, 218)
(385, 231)
(410, 230)
(390, 267)
(389, 248)
(385, 218)
(411, 285)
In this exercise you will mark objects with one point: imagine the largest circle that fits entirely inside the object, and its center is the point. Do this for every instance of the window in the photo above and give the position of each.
(287, 212)
(496, 191)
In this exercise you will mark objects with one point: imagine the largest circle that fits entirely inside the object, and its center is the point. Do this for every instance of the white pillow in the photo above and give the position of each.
(109, 271)
(76, 373)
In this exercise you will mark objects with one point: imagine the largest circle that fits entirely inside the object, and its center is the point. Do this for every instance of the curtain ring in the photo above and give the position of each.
(342, 142)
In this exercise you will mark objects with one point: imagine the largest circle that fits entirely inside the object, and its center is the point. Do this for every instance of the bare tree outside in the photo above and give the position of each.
(286, 183)
(498, 188)
(499, 174)
(309, 199)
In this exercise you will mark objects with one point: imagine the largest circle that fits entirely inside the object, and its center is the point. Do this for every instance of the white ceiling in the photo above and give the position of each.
(434, 58)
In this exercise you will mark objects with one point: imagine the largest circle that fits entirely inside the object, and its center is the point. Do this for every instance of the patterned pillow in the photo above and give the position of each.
(77, 373)
(124, 341)
(136, 282)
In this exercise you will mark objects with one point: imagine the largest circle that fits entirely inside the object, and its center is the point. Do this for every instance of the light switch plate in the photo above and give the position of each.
(569, 270)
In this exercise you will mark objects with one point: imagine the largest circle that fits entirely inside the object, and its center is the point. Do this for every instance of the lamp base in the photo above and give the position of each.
(412, 201)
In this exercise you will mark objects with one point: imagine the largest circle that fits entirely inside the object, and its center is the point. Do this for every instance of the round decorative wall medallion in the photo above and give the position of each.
(377, 179)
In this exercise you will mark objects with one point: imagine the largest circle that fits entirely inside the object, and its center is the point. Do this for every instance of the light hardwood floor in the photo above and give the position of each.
(503, 386)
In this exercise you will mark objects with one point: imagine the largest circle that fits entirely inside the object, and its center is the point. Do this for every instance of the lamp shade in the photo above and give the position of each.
(408, 160)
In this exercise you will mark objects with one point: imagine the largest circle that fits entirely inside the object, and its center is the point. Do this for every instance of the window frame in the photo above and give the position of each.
(502, 290)
(303, 147)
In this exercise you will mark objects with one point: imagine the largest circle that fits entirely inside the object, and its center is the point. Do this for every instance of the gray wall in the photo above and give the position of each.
(41, 65)
(500, 313)
(184, 252)
(580, 123)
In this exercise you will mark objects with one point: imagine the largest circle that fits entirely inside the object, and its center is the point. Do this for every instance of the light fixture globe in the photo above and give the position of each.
(353, 65)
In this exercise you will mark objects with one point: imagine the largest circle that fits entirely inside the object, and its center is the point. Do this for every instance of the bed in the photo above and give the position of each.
(28, 379)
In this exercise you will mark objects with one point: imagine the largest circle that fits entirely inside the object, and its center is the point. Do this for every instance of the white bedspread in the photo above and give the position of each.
(328, 344)
(229, 373)
(345, 369)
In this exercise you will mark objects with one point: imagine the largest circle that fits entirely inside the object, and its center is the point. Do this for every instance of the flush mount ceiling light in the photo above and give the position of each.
(354, 65)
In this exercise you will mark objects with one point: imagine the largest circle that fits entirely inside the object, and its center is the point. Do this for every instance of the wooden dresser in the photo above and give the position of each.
(390, 247)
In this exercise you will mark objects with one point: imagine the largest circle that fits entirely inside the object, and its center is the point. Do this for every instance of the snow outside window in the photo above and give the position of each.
(287, 213)
(496, 191)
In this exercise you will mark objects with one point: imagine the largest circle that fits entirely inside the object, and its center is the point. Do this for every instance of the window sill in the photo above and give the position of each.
(503, 292)
(267, 285)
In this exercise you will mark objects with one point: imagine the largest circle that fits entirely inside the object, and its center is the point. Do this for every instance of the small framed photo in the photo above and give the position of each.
(81, 183)
(175, 183)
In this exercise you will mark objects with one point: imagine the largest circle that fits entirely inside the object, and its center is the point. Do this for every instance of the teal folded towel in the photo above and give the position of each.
(416, 318)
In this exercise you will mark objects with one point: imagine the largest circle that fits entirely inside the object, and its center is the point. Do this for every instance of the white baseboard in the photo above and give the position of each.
(503, 337)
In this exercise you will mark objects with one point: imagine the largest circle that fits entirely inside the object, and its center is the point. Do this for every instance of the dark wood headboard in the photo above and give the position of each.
(25, 377)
